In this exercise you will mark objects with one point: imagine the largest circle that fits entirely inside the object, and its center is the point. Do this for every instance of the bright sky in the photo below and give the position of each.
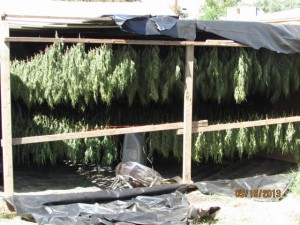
(92, 9)
(192, 7)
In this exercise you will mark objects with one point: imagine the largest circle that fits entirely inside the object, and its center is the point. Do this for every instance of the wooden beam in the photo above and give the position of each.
(6, 112)
(104, 132)
(188, 114)
(221, 43)
(237, 125)
(8, 17)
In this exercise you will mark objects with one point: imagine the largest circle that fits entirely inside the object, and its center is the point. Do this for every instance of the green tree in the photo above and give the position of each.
(277, 5)
(214, 9)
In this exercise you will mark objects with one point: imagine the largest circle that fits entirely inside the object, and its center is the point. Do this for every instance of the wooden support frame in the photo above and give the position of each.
(246, 124)
(186, 128)
(188, 114)
(6, 111)
(187, 125)
(224, 43)
(104, 132)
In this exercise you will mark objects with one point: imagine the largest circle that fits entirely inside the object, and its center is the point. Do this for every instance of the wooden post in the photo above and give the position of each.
(6, 112)
(188, 112)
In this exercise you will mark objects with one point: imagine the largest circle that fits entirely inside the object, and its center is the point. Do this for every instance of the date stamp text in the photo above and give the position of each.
(261, 193)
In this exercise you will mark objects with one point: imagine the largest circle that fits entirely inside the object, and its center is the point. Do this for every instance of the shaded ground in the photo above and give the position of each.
(62, 177)
(68, 178)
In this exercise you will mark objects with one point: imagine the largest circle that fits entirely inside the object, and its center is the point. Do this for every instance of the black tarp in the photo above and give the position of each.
(155, 205)
(261, 188)
(165, 204)
(282, 38)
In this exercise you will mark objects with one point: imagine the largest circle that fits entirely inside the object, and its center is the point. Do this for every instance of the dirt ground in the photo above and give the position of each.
(241, 211)
(68, 178)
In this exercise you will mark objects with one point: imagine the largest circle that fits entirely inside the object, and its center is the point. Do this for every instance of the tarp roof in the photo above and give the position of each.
(282, 38)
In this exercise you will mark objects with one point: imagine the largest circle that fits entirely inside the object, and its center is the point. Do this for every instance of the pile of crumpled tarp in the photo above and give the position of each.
(133, 174)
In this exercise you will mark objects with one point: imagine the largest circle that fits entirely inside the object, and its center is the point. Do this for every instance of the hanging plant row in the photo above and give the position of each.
(103, 150)
(222, 74)
(77, 77)
(283, 138)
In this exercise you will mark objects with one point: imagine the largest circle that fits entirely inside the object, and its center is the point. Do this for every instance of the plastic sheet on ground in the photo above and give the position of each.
(261, 188)
(155, 205)
(164, 204)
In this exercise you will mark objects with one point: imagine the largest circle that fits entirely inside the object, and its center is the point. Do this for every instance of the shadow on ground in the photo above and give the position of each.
(67, 176)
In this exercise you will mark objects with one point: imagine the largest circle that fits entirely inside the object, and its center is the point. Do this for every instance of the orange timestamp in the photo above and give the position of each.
(260, 193)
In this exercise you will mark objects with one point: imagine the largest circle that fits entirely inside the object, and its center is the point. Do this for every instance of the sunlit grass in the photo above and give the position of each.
(295, 188)
(7, 216)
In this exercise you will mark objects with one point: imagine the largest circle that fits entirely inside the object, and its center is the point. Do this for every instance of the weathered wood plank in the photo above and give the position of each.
(223, 43)
(6, 112)
(13, 16)
(237, 125)
(104, 132)
(188, 112)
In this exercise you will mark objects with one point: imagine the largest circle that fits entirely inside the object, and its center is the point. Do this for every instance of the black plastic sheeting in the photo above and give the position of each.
(282, 38)
(261, 188)
(165, 204)
(155, 205)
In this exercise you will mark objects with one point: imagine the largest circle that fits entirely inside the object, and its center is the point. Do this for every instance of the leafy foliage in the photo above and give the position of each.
(224, 74)
(75, 79)
(214, 9)
(221, 74)
(102, 150)
(78, 77)
(282, 138)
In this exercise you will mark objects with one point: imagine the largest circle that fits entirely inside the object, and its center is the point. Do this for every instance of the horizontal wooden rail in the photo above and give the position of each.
(255, 123)
(8, 17)
(104, 132)
(224, 43)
